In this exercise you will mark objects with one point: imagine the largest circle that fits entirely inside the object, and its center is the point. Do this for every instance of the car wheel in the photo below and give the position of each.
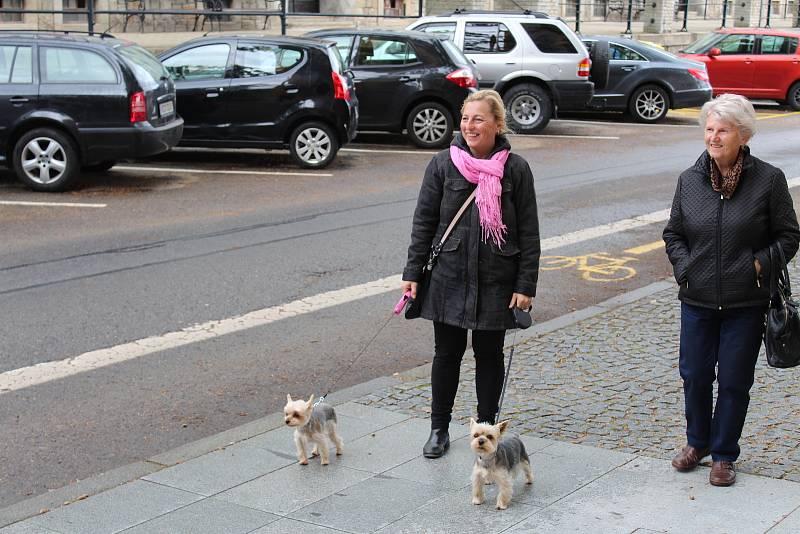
(793, 97)
(101, 166)
(600, 64)
(649, 103)
(430, 125)
(313, 145)
(46, 160)
(528, 108)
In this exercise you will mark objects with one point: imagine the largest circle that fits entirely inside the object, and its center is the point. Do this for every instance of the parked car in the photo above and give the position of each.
(536, 62)
(70, 101)
(646, 81)
(406, 80)
(264, 92)
(759, 63)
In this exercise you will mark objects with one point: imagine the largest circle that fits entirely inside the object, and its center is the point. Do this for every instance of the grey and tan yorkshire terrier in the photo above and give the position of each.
(500, 457)
(311, 425)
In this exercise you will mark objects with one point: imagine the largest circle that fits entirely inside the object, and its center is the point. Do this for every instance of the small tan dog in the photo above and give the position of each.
(500, 457)
(311, 424)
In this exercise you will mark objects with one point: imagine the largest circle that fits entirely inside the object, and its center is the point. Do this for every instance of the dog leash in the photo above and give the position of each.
(508, 373)
(354, 360)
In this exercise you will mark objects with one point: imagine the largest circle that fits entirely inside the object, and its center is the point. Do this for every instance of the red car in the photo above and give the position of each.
(759, 63)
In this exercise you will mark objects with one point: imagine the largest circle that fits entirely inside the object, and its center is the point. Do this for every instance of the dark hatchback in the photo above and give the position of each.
(647, 82)
(264, 92)
(76, 101)
(406, 80)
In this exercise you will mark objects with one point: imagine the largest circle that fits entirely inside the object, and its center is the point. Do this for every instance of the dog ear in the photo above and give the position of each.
(472, 424)
(288, 398)
(310, 400)
(502, 426)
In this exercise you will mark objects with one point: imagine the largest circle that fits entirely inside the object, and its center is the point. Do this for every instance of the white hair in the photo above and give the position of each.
(734, 109)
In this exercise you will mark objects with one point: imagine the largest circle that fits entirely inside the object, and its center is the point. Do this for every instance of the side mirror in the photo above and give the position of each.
(714, 52)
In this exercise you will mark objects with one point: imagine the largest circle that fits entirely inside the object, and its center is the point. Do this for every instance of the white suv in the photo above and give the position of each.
(537, 63)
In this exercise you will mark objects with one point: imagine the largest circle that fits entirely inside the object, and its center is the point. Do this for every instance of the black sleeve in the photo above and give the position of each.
(426, 221)
(527, 231)
(782, 223)
(675, 238)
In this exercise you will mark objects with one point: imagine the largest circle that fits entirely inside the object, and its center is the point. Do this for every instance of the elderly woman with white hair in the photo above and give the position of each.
(729, 208)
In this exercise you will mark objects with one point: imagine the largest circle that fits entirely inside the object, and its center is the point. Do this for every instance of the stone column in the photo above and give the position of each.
(658, 16)
(745, 12)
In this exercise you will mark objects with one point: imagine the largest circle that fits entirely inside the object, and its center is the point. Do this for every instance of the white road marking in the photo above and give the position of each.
(388, 151)
(557, 136)
(618, 124)
(41, 373)
(219, 171)
(48, 204)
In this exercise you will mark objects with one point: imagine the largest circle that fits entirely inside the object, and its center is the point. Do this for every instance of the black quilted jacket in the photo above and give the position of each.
(472, 282)
(712, 242)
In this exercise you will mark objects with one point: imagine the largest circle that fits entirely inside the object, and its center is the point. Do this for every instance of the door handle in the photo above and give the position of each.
(212, 94)
(290, 88)
(511, 62)
(18, 100)
(407, 79)
(629, 68)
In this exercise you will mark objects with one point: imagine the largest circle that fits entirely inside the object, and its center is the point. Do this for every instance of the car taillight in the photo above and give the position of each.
(699, 74)
(584, 67)
(340, 90)
(138, 107)
(463, 78)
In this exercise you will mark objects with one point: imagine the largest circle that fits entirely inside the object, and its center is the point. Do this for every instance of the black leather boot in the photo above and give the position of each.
(437, 444)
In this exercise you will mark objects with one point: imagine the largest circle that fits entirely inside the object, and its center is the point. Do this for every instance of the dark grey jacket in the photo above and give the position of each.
(472, 282)
(712, 242)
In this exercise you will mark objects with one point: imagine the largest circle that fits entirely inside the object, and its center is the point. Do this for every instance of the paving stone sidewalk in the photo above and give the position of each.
(612, 381)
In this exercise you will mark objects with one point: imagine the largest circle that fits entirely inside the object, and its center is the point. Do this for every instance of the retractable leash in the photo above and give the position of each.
(363, 350)
(526, 322)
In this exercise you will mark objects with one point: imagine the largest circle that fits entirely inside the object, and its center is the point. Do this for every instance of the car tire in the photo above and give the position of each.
(793, 97)
(430, 125)
(649, 104)
(600, 64)
(100, 166)
(45, 159)
(528, 108)
(313, 145)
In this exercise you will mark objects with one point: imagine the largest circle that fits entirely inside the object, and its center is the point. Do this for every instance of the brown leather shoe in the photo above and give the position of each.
(722, 473)
(688, 458)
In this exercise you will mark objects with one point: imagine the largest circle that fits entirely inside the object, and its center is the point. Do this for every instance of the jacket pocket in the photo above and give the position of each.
(451, 262)
(503, 264)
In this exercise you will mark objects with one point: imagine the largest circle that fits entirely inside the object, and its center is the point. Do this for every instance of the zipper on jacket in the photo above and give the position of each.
(719, 251)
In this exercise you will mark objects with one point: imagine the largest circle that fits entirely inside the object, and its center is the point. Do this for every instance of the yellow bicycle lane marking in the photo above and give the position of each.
(760, 114)
(600, 266)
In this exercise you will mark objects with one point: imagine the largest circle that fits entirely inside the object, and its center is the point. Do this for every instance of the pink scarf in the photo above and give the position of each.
(487, 174)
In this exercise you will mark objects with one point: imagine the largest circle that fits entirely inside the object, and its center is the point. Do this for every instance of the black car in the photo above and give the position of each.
(264, 92)
(646, 81)
(72, 101)
(406, 80)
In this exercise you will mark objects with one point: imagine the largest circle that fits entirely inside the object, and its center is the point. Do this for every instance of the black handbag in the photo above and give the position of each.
(782, 328)
(414, 306)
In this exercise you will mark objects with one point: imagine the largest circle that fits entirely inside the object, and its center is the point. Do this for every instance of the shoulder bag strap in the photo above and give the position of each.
(438, 246)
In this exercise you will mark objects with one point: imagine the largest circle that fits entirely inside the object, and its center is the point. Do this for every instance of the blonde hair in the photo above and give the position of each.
(734, 109)
(496, 106)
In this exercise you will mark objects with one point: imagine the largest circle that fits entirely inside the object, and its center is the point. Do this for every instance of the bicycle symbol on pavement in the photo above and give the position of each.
(595, 267)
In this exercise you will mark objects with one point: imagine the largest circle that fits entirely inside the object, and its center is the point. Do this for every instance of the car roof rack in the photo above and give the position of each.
(104, 34)
(524, 12)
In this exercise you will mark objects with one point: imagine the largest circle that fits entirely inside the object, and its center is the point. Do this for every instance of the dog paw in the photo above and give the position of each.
(501, 506)
(476, 500)
(304, 461)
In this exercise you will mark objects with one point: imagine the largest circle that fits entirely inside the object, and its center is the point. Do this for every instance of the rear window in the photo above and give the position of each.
(778, 44)
(336, 59)
(447, 29)
(455, 55)
(377, 51)
(549, 39)
(258, 60)
(15, 64)
(702, 45)
(147, 68)
(488, 38)
(73, 65)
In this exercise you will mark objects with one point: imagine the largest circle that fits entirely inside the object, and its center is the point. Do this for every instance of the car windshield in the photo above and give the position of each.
(702, 45)
(456, 55)
(146, 66)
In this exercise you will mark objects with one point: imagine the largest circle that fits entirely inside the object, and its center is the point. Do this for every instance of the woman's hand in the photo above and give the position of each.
(410, 286)
(519, 300)
(758, 267)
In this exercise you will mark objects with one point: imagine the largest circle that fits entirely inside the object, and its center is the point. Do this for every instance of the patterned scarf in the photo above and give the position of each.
(727, 184)
(487, 174)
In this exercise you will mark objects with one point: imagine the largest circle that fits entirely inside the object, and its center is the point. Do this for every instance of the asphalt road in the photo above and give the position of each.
(194, 237)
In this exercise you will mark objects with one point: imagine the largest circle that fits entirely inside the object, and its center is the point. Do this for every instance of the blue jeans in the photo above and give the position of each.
(725, 342)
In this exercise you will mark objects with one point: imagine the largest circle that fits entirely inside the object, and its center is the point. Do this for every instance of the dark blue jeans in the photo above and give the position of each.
(721, 345)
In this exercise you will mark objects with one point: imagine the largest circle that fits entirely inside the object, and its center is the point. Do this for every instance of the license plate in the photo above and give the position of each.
(166, 108)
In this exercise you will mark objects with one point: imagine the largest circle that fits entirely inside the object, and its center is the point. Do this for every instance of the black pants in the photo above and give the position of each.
(728, 340)
(450, 345)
